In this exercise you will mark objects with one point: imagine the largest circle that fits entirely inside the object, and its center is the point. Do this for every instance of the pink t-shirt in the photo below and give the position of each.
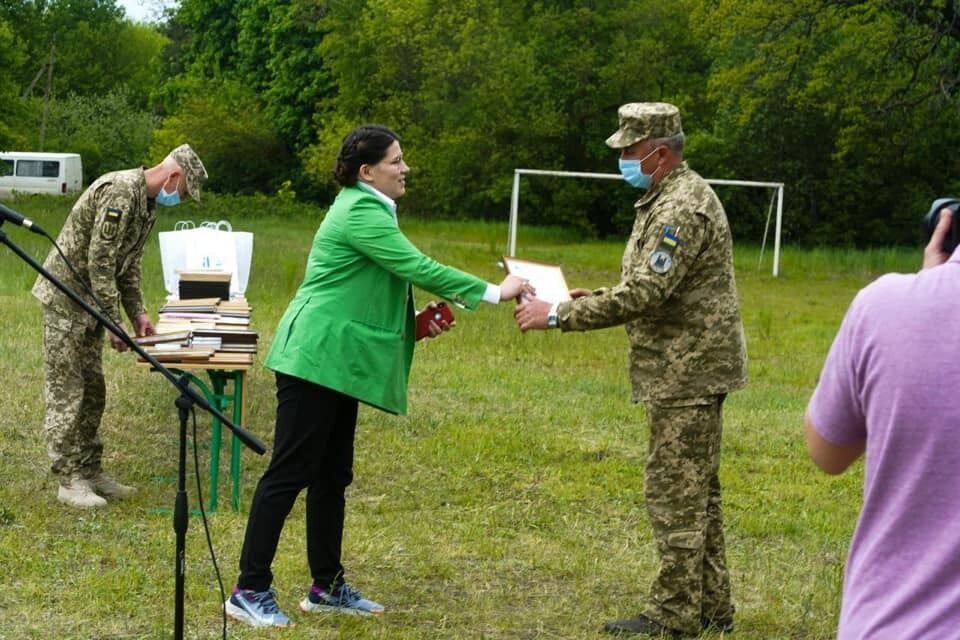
(893, 377)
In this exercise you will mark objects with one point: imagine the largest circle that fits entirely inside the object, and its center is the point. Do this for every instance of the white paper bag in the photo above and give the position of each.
(212, 245)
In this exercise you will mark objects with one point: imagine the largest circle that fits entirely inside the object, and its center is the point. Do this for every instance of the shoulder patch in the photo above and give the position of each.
(111, 223)
(661, 260)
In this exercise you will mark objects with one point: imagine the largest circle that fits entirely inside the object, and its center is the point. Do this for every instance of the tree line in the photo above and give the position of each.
(852, 104)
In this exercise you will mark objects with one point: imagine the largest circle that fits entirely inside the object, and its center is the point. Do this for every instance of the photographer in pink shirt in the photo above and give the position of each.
(890, 388)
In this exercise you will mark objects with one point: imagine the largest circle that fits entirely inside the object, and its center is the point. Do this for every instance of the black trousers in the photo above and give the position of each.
(312, 449)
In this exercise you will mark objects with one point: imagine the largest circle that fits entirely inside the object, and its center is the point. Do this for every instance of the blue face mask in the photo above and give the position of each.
(169, 199)
(633, 173)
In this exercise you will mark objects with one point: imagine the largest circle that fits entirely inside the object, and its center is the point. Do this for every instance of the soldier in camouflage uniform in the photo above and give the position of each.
(103, 239)
(678, 299)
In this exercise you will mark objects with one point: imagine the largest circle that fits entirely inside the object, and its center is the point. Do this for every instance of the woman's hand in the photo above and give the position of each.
(435, 327)
(516, 287)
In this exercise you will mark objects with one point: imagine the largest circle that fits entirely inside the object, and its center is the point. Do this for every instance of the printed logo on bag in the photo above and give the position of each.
(210, 245)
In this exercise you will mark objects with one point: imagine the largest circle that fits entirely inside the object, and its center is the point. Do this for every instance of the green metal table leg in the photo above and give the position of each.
(238, 379)
(215, 398)
(216, 437)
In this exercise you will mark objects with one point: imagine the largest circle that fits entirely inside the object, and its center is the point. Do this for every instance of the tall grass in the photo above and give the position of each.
(507, 504)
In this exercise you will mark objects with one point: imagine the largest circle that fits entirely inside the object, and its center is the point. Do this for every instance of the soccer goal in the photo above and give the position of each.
(776, 199)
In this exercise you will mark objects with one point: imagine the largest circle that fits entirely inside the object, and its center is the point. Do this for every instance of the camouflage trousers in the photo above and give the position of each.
(74, 391)
(683, 502)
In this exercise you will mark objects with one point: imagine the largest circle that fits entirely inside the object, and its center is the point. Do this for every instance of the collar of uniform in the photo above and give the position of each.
(662, 185)
(149, 203)
(387, 200)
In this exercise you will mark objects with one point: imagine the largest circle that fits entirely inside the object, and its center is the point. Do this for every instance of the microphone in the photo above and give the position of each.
(12, 216)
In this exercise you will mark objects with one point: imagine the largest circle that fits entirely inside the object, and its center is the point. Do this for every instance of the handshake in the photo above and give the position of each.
(531, 312)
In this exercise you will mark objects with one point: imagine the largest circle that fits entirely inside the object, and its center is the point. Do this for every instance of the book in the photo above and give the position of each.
(229, 335)
(204, 275)
(175, 337)
(191, 302)
(190, 353)
(231, 358)
(204, 289)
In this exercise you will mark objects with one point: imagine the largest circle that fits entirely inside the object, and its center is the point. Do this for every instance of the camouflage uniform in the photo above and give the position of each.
(678, 299)
(103, 238)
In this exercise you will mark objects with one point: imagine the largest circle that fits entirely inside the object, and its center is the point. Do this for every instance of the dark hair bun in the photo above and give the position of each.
(368, 145)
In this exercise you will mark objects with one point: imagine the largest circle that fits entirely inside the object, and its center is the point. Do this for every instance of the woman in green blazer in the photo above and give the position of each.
(346, 337)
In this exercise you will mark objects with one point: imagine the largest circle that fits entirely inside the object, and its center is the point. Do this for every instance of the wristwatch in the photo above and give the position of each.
(552, 318)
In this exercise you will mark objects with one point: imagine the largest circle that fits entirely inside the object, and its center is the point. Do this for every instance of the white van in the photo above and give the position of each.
(37, 172)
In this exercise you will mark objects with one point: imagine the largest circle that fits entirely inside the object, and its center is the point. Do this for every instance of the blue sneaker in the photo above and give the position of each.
(343, 599)
(256, 608)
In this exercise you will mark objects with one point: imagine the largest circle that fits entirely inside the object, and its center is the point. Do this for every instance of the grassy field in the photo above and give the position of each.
(508, 504)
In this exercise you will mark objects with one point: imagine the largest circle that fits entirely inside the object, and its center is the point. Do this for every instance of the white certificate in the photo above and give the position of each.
(547, 279)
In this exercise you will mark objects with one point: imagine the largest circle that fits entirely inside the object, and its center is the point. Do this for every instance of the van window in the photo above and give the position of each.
(38, 168)
(6, 167)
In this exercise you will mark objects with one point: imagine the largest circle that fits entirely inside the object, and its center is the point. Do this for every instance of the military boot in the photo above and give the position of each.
(642, 626)
(78, 492)
(108, 487)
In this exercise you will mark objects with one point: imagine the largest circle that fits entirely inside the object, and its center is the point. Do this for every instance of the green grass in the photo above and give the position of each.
(507, 504)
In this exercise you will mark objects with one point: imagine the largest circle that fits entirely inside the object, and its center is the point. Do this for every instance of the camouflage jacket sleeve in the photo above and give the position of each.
(113, 216)
(665, 242)
(128, 284)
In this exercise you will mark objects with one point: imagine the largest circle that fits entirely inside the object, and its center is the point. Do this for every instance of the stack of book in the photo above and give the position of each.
(186, 315)
(203, 331)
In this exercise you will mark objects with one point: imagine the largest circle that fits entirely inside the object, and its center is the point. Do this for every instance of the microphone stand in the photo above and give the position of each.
(185, 401)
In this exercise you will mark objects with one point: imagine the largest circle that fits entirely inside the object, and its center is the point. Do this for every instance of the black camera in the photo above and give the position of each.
(952, 239)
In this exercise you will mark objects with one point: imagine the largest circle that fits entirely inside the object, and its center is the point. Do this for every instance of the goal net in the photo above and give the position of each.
(776, 204)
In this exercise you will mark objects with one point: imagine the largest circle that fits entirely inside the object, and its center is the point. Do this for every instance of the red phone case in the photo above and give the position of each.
(440, 313)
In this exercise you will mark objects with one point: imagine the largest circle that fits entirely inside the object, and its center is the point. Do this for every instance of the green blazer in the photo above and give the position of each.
(351, 325)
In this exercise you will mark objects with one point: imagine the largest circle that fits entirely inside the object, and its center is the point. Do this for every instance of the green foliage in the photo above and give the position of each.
(279, 46)
(270, 45)
(93, 48)
(479, 88)
(853, 105)
(847, 103)
(842, 101)
(109, 131)
(225, 124)
(11, 109)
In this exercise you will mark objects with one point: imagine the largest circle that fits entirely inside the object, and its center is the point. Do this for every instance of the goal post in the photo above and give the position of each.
(775, 200)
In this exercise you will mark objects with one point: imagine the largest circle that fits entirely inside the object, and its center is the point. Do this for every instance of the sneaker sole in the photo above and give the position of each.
(241, 615)
(310, 607)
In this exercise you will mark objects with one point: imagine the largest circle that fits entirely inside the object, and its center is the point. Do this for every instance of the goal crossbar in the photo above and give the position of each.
(776, 198)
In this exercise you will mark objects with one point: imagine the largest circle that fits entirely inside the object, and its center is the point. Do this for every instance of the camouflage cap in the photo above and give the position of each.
(642, 120)
(192, 167)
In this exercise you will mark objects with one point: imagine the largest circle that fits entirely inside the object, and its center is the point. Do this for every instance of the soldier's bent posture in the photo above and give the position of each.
(678, 299)
(103, 239)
